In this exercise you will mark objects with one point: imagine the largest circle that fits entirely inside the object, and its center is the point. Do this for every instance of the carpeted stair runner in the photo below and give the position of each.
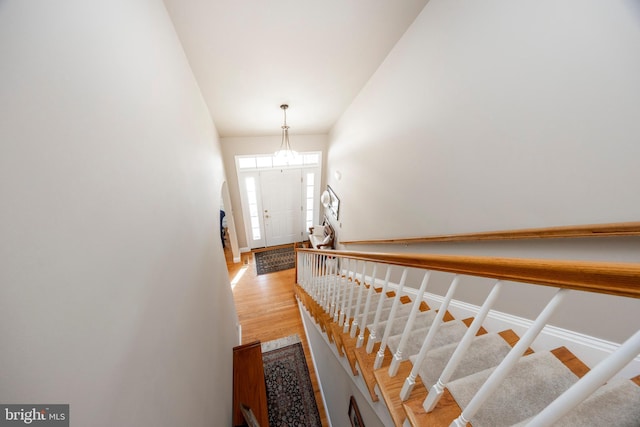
(486, 351)
(617, 403)
(423, 319)
(448, 333)
(373, 305)
(403, 310)
(535, 381)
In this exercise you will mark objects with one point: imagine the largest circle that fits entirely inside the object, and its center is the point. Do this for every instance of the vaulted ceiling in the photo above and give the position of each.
(250, 56)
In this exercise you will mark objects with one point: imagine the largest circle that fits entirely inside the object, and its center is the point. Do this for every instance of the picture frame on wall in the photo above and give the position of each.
(334, 203)
(354, 413)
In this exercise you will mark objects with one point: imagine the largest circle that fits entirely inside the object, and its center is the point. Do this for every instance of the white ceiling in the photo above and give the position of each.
(250, 56)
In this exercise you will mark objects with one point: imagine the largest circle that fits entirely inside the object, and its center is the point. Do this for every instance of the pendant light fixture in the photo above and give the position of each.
(285, 151)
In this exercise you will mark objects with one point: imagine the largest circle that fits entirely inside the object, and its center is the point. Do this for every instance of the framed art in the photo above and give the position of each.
(354, 413)
(334, 203)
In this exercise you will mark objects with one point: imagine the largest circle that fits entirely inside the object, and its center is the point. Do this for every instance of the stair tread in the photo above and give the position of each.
(615, 403)
(423, 320)
(365, 366)
(485, 351)
(386, 304)
(448, 332)
(401, 311)
(535, 382)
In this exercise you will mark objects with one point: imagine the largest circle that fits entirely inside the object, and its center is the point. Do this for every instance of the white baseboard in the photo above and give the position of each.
(244, 250)
(590, 350)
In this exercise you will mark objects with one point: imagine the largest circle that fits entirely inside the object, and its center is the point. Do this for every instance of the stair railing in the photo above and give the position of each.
(608, 278)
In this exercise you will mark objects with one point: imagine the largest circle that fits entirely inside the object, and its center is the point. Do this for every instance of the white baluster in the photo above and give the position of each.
(502, 370)
(334, 279)
(305, 272)
(383, 345)
(408, 328)
(318, 270)
(345, 329)
(319, 279)
(588, 384)
(355, 324)
(309, 286)
(309, 273)
(314, 277)
(329, 269)
(410, 381)
(325, 282)
(367, 306)
(338, 279)
(376, 318)
(345, 288)
(437, 389)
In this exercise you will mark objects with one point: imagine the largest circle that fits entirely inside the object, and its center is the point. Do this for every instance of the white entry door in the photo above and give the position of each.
(282, 205)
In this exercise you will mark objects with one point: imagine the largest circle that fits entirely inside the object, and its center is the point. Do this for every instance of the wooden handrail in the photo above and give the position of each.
(248, 383)
(621, 279)
(571, 231)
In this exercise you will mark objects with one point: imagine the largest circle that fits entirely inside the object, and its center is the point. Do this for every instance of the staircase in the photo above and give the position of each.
(432, 369)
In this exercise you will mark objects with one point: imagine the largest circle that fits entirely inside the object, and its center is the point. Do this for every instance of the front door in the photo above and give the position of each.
(282, 207)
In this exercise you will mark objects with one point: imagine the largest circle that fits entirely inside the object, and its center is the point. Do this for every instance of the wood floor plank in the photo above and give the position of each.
(267, 309)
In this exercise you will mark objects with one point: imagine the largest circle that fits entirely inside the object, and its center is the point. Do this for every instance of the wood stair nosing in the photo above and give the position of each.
(390, 389)
(365, 362)
(348, 346)
(336, 331)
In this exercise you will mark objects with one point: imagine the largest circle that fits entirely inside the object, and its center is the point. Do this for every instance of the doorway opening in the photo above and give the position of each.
(228, 234)
(280, 200)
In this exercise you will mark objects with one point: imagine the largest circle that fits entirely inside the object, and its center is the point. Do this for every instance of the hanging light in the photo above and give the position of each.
(285, 152)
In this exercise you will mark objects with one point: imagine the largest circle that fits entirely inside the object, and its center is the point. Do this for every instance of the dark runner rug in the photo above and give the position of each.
(273, 260)
(290, 397)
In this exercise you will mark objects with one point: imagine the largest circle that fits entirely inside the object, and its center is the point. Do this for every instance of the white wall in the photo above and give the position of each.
(499, 115)
(114, 295)
(496, 115)
(235, 146)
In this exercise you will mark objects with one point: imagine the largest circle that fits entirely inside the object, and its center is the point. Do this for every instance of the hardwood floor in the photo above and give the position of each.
(267, 309)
